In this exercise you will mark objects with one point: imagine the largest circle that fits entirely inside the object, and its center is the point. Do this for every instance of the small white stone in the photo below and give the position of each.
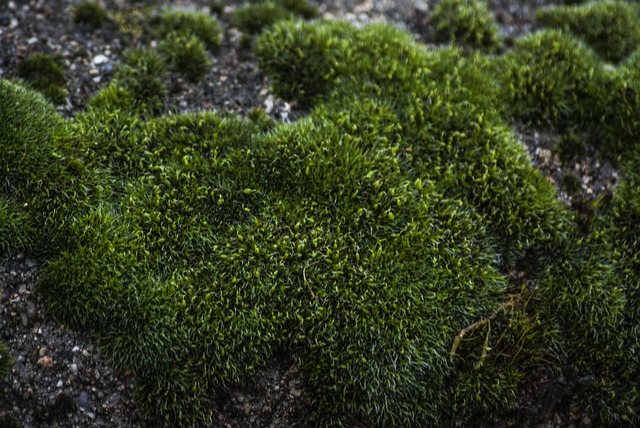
(32, 40)
(99, 59)
(75, 349)
(60, 384)
(74, 368)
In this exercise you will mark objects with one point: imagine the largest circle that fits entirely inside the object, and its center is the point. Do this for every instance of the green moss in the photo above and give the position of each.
(259, 14)
(548, 78)
(45, 73)
(366, 240)
(467, 22)
(138, 86)
(15, 228)
(614, 110)
(89, 13)
(186, 55)
(5, 361)
(610, 27)
(189, 23)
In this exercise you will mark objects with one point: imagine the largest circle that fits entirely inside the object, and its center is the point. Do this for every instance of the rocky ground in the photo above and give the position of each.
(59, 378)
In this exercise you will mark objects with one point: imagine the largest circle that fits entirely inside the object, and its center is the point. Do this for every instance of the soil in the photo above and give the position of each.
(59, 378)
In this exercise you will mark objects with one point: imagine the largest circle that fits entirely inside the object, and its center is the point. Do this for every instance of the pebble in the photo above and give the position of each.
(74, 368)
(84, 400)
(60, 384)
(85, 353)
(42, 351)
(99, 59)
(75, 348)
(32, 40)
(46, 361)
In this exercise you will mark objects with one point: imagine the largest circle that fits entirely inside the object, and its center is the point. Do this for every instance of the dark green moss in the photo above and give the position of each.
(138, 86)
(186, 55)
(15, 228)
(366, 239)
(5, 361)
(89, 13)
(9, 421)
(467, 22)
(570, 147)
(613, 113)
(189, 23)
(611, 28)
(45, 74)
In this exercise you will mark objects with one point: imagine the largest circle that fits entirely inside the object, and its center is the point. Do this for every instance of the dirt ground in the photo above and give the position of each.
(59, 378)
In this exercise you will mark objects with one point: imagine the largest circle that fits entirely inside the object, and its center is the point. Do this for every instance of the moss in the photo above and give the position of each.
(45, 73)
(259, 14)
(612, 115)
(374, 239)
(467, 22)
(89, 13)
(5, 361)
(611, 27)
(138, 86)
(548, 78)
(189, 23)
(186, 55)
(15, 228)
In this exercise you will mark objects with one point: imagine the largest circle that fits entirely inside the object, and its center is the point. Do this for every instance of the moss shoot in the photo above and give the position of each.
(375, 239)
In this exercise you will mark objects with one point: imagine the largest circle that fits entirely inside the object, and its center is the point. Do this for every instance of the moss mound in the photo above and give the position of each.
(611, 28)
(186, 23)
(467, 22)
(374, 240)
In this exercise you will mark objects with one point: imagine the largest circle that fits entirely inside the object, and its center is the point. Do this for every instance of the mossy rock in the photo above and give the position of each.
(611, 28)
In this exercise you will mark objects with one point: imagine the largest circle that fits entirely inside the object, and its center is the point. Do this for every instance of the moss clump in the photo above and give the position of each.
(5, 361)
(89, 13)
(186, 55)
(467, 22)
(259, 14)
(614, 111)
(548, 77)
(189, 23)
(45, 73)
(138, 85)
(611, 28)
